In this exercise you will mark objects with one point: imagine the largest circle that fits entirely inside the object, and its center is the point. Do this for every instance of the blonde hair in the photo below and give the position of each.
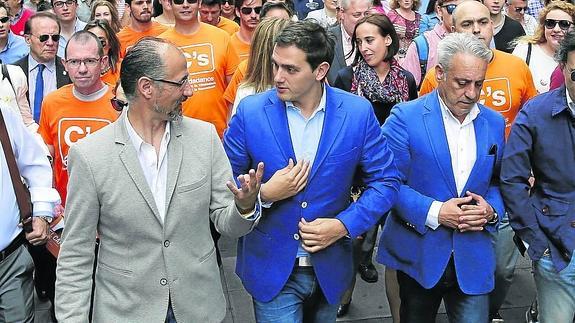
(115, 23)
(539, 34)
(394, 4)
(259, 74)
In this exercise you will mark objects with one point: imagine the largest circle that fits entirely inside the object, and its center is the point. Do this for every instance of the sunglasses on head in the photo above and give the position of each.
(4, 19)
(180, 2)
(248, 10)
(450, 8)
(45, 37)
(563, 24)
(520, 9)
(118, 104)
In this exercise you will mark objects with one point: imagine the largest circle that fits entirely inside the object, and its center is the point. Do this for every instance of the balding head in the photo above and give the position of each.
(473, 17)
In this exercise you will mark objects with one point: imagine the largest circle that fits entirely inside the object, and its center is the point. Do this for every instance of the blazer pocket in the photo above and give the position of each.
(114, 270)
(343, 157)
(190, 187)
(551, 206)
(208, 255)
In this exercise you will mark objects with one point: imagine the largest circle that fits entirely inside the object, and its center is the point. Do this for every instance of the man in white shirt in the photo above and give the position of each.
(16, 267)
(448, 148)
(517, 9)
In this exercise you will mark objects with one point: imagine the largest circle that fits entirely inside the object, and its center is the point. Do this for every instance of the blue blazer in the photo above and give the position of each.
(416, 135)
(542, 140)
(351, 141)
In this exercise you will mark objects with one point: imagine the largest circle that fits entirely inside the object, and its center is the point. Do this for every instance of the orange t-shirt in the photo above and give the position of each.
(128, 36)
(237, 79)
(243, 49)
(65, 119)
(111, 77)
(508, 85)
(227, 25)
(211, 59)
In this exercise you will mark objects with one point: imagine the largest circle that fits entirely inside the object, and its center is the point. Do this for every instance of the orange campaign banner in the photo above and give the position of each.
(71, 130)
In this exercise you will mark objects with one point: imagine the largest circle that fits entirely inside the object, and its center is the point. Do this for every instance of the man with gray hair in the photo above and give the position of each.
(149, 184)
(448, 149)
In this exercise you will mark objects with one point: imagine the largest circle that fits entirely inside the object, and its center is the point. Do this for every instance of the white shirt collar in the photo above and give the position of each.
(136, 140)
(473, 113)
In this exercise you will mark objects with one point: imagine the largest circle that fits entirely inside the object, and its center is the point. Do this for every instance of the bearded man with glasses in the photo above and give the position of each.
(249, 13)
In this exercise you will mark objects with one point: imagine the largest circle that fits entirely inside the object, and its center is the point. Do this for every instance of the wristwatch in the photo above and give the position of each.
(48, 219)
(495, 218)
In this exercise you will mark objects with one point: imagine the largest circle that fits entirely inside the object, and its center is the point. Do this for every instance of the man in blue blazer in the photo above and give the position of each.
(447, 148)
(313, 140)
(542, 145)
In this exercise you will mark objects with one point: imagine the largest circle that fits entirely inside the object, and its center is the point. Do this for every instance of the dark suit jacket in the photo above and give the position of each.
(338, 57)
(62, 77)
(541, 141)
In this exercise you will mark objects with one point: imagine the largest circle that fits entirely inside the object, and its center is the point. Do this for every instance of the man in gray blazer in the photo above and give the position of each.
(148, 185)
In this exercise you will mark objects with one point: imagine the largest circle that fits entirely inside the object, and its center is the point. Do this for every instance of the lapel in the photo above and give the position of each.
(62, 77)
(480, 126)
(340, 55)
(127, 154)
(277, 117)
(432, 118)
(332, 124)
(175, 156)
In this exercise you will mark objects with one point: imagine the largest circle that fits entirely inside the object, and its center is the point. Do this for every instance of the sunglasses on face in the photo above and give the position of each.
(45, 37)
(450, 8)
(60, 4)
(248, 10)
(118, 104)
(563, 24)
(180, 2)
(4, 19)
(520, 9)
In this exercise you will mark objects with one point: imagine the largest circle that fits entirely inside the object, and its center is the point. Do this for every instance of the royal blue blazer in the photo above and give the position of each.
(351, 142)
(416, 135)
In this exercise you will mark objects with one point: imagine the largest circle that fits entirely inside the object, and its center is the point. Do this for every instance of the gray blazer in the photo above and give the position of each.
(142, 263)
(339, 56)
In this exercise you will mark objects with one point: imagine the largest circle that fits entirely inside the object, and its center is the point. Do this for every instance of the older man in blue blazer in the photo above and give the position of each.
(448, 149)
(542, 145)
(298, 261)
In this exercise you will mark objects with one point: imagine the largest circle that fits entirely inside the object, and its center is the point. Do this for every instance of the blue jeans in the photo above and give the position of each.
(300, 300)
(555, 291)
(419, 304)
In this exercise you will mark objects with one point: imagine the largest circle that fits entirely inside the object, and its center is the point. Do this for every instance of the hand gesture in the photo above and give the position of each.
(286, 182)
(320, 233)
(247, 194)
(475, 215)
(450, 211)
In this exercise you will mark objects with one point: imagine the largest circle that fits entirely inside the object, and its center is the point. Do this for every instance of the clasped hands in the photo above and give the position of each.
(469, 213)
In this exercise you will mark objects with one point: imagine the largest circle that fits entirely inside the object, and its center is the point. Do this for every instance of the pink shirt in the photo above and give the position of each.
(411, 60)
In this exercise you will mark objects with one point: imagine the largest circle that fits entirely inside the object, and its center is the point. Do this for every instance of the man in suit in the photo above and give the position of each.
(148, 185)
(541, 145)
(448, 150)
(350, 11)
(44, 70)
(299, 257)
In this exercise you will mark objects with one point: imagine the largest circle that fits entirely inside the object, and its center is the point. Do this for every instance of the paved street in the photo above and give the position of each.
(369, 303)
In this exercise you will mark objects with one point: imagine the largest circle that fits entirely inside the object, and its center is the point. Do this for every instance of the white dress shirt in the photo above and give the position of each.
(463, 152)
(154, 164)
(49, 74)
(347, 47)
(34, 167)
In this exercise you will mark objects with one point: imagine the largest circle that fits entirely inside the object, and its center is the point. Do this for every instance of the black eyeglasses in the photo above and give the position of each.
(563, 24)
(118, 104)
(520, 9)
(45, 37)
(248, 10)
(179, 84)
(449, 7)
(4, 19)
(60, 4)
(180, 2)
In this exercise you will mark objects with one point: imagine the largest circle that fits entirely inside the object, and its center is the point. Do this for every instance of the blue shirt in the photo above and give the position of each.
(305, 135)
(79, 25)
(15, 49)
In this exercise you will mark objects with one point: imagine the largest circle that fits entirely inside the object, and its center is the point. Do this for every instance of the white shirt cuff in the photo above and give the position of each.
(432, 219)
(43, 209)
(266, 205)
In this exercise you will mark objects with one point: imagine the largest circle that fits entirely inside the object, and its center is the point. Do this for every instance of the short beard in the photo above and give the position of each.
(173, 115)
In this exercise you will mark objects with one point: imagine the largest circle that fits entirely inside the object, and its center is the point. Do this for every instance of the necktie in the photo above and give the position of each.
(38, 92)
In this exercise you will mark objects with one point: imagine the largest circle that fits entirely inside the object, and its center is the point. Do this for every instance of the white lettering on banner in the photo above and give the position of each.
(199, 58)
(70, 130)
(496, 94)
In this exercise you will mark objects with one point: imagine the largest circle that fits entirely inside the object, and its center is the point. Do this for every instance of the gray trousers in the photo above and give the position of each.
(17, 287)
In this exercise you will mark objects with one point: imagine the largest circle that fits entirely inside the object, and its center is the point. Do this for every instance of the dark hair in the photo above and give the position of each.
(158, 10)
(83, 37)
(566, 46)
(143, 59)
(274, 5)
(431, 6)
(239, 3)
(114, 52)
(385, 28)
(43, 6)
(316, 42)
(43, 14)
(211, 3)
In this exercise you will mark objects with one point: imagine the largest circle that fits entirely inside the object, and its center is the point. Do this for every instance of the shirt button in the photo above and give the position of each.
(167, 243)
(573, 224)
(163, 281)
(303, 205)
(545, 209)
(296, 236)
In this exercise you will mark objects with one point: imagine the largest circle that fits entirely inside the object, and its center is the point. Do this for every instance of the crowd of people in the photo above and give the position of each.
(306, 130)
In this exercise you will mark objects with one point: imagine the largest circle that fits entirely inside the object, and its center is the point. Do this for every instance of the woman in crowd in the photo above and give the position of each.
(406, 20)
(258, 69)
(376, 75)
(429, 19)
(103, 9)
(101, 28)
(538, 51)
